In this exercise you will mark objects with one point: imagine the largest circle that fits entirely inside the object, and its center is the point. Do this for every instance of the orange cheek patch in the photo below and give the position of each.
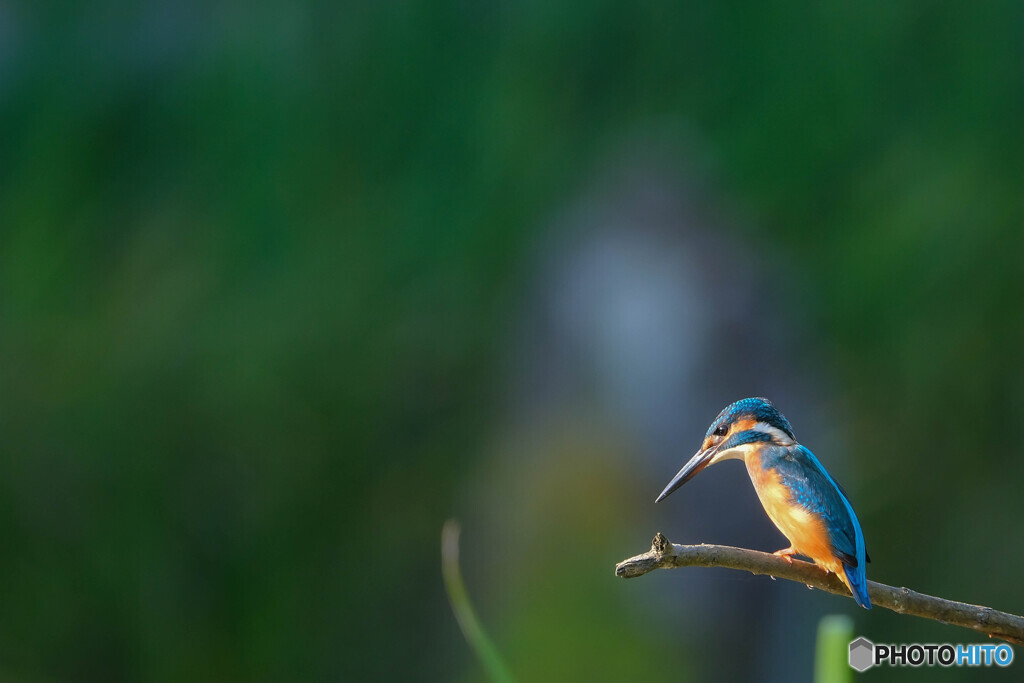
(743, 425)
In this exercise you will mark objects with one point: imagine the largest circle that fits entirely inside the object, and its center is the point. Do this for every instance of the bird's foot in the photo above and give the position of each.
(786, 554)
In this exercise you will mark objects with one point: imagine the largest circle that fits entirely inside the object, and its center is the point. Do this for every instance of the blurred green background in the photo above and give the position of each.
(276, 287)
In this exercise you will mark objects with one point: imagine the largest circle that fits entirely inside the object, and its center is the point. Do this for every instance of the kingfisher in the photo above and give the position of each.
(801, 498)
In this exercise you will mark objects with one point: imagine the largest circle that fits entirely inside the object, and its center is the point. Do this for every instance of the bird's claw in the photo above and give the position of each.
(786, 554)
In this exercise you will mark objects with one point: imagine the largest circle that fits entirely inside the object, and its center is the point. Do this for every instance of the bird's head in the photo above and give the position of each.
(739, 428)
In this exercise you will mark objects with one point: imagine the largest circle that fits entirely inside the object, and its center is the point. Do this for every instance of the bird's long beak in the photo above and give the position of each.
(699, 461)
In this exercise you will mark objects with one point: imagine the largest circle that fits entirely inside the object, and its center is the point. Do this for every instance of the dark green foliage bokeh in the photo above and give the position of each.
(256, 265)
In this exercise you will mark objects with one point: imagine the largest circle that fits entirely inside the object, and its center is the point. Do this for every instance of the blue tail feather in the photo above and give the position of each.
(859, 584)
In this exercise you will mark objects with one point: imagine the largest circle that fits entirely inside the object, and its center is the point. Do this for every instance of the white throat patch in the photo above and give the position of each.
(734, 453)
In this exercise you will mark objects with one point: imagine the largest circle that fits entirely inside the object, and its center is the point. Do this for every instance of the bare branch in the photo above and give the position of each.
(665, 555)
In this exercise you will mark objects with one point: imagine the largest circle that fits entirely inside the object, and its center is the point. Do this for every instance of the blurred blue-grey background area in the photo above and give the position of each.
(284, 286)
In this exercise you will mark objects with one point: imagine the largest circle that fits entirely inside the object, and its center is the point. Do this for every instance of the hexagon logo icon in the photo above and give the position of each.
(862, 654)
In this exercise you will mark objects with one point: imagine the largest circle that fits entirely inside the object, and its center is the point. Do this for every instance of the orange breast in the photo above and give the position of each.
(805, 530)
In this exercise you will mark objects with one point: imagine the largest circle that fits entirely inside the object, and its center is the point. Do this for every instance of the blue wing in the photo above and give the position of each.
(813, 488)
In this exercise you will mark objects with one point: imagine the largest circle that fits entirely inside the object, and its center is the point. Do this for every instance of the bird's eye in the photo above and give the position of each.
(721, 431)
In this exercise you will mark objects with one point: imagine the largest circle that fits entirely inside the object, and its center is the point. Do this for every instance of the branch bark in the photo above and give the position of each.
(666, 555)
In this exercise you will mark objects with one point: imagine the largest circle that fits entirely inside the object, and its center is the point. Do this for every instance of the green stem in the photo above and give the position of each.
(463, 608)
(832, 658)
